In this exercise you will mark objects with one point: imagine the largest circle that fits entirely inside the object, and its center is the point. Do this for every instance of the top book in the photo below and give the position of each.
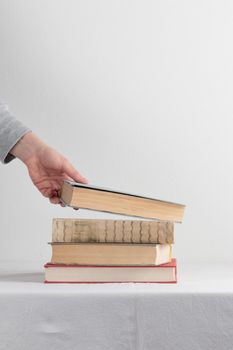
(101, 199)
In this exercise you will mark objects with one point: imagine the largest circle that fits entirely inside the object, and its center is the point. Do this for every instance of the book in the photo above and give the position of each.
(110, 254)
(112, 231)
(166, 273)
(96, 198)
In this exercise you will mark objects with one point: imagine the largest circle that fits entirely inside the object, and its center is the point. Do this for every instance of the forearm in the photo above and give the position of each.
(27, 147)
(11, 131)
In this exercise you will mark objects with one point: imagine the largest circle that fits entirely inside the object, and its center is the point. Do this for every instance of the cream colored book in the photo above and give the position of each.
(97, 198)
(112, 231)
(165, 273)
(110, 254)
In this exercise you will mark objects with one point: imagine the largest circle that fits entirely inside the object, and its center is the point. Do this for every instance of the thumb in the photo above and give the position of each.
(73, 173)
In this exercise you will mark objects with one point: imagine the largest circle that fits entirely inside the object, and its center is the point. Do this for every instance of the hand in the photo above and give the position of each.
(47, 168)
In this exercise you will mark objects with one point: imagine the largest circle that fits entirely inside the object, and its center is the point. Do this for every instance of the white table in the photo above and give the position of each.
(195, 314)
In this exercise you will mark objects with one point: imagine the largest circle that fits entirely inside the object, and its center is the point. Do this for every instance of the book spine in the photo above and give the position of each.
(112, 231)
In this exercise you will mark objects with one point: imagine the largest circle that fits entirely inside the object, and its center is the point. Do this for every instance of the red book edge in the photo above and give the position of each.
(91, 282)
(173, 263)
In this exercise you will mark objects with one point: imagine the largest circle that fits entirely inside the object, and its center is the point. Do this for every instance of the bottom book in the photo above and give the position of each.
(59, 273)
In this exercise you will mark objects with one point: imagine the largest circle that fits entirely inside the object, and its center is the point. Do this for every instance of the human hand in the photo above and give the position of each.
(46, 167)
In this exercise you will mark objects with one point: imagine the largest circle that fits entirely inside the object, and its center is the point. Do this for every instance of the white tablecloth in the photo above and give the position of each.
(197, 313)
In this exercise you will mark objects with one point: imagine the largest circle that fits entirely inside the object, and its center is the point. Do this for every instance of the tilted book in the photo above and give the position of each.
(96, 198)
(110, 253)
(59, 273)
(112, 231)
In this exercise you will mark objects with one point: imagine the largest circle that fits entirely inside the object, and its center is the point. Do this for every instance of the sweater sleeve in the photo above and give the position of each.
(11, 131)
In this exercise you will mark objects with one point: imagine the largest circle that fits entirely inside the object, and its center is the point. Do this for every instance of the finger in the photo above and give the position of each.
(50, 189)
(74, 174)
(54, 200)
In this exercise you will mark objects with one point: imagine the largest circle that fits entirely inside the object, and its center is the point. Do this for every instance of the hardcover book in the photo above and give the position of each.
(112, 231)
(101, 199)
(110, 254)
(59, 273)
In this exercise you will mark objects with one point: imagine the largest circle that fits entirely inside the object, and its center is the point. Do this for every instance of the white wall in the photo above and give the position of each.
(138, 95)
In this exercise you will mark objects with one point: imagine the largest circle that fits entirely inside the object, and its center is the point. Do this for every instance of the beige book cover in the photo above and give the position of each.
(112, 231)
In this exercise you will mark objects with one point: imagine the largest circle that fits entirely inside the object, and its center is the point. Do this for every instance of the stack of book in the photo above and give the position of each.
(101, 251)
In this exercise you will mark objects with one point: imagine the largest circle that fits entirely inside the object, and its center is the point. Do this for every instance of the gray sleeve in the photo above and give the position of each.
(11, 131)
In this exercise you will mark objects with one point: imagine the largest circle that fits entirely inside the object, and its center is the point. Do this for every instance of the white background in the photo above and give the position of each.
(138, 95)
